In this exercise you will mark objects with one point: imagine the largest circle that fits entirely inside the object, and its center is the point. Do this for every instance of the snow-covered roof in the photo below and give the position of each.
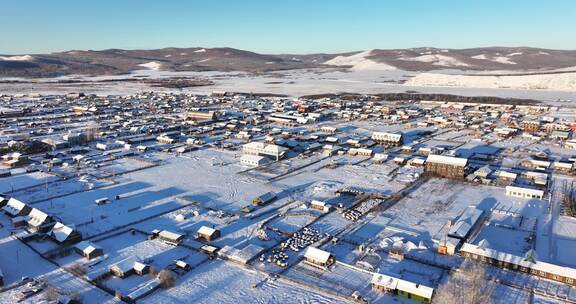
(415, 289)
(264, 148)
(385, 281)
(205, 230)
(61, 232)
(169, 235)
(520, 261)
(317, 254)
(267, 196)
(87, 246)
(418, 161)
(318, 203)
(387, 135)
(447, 160)
(393, 283)
(144, 289)
(125, 265)
(507, 174)
(242, 256)
(14, 206)
(484, 171)
(465, 222)
(541, 163)
(525, 190)
(37, 217)
(555, 164)
(139, 266)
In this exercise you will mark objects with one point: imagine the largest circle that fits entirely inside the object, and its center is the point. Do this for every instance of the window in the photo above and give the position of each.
(542, 273)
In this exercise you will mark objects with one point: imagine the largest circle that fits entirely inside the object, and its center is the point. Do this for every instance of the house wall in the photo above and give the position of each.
(445, 170)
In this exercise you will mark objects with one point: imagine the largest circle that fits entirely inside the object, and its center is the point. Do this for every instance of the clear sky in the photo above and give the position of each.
(284, 26)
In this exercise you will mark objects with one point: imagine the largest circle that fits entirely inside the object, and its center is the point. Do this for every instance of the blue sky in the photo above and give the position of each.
(284, 26)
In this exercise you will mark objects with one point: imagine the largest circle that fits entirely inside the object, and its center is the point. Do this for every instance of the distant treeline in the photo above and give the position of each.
(179, 83)
(426, 96)
(174, 82)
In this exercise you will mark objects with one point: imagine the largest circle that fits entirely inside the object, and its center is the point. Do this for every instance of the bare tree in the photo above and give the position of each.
(51, 293)
(469, 284)
(167, 278)
(77, 269)
(153, 272)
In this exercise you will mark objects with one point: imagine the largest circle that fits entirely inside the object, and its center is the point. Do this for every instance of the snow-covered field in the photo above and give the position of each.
(553, 82)
(366, 76)
(202, 177)
(221, 282)
(25, 181)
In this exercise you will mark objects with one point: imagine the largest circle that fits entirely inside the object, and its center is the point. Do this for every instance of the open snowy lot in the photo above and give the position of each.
(24, 181)
(224, 282)
(16, 259)
(425, 211)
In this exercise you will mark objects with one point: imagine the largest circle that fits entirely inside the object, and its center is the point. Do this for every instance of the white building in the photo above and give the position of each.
(260, 148)
(570, 144)
(524, 192)
(319, 258)
(253, 160)
(394, 138)
(402, 287)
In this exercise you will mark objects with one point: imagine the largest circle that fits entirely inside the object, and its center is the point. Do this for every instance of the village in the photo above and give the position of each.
(157, 196)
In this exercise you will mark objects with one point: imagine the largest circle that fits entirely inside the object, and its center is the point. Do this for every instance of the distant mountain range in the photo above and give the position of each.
(117, 61)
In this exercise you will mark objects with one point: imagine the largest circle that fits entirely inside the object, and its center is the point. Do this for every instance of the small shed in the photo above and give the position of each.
(63, 234)
(15, 207)
(88, 250)
(318, 258)
(169, 237)
(37, 219)
(209, 250)
(182, 265)
(320, 205)
(208, 234)
(101, 201)
(264, 198)
(141, 268)
(123, 268)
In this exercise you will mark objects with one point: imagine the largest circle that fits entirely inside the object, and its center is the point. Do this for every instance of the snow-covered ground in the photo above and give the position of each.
(554, 82)
(24, 181)
(368, 77)
(221, 282)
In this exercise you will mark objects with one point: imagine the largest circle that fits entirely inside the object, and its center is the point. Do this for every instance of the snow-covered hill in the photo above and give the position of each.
(360, 61)
(437, 59)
